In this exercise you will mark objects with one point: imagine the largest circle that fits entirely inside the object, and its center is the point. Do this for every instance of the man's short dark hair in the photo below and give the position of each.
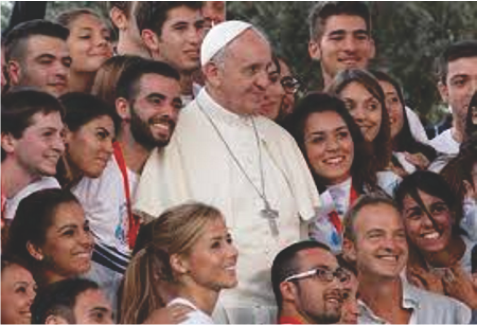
(455, 51)
(59, 299)
(20, 104)
(15, 44)
(153, 14)
(128, 82)
(285, 264)
(325, 9)
(362, 202)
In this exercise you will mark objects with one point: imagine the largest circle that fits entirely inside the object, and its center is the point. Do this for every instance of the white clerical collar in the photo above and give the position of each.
(219, 113)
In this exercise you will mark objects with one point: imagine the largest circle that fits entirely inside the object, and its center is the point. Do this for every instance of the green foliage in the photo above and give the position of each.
(409, 36)
(5, 11)
(56, 7)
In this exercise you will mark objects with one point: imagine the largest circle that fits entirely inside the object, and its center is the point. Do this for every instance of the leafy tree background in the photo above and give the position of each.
(409, 36)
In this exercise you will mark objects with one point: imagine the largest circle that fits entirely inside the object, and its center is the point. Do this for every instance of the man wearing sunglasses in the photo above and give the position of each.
(375, 240)
(307, 283)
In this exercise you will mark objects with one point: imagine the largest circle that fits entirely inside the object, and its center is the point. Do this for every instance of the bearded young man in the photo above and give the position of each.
(148, 104)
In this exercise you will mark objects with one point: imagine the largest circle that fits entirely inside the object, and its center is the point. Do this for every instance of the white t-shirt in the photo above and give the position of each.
(42, 184)
(194, 317)
(104, 202)
(445, 143)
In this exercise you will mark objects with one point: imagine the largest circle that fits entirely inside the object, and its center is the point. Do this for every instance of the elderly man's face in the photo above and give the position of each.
(243, 79)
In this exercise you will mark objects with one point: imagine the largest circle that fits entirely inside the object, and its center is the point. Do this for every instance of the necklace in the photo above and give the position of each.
(267, 212)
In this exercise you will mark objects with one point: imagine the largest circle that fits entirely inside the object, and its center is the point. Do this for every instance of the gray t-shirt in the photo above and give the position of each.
(428, 308)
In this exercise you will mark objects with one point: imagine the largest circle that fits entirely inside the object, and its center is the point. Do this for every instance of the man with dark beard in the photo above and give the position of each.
(307, 283)
(148, 103)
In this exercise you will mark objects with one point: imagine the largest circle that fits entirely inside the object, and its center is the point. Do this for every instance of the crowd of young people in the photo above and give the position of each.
(183, 174)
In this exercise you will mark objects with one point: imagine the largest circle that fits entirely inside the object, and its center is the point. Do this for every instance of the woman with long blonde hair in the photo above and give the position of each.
(189, 259)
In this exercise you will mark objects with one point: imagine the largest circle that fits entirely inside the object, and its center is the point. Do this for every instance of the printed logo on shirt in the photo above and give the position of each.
(121, 229)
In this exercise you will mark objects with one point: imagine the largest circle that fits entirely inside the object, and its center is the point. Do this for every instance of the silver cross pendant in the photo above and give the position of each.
(271, 215)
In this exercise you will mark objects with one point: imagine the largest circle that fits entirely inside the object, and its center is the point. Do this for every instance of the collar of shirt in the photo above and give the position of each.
(341, 195)
(219, 113)
(290, 320)
(410, 300)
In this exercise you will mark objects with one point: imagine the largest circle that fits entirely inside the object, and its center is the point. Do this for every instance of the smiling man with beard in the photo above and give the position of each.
(375, 241)
(307, 283)
(148, 102)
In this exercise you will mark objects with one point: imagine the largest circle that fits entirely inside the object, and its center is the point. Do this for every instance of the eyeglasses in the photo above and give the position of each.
(323, 275)
(290, 84)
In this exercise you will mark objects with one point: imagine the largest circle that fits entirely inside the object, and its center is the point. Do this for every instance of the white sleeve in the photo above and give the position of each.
(416, 127)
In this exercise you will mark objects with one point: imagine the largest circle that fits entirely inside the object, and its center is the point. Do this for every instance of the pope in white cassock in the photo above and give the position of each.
(224, 154)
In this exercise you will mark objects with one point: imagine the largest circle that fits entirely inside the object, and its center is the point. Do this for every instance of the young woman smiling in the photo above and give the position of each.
(90, 130)
(338, 157)
(408, 153)
(18, 291)
(89, 43)
(189, 259)
(51, 234)
(440, 253)
(365, 101)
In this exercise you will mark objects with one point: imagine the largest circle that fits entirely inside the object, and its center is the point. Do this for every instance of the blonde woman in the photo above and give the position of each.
(189, 259)
(89, 44)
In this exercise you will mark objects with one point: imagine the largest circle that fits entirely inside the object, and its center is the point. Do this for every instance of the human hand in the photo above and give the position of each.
(425, 280)
(459, 285)
(397, 170)
(418, 160)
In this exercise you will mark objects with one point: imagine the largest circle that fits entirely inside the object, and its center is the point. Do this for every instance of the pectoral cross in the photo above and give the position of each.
(271, 215)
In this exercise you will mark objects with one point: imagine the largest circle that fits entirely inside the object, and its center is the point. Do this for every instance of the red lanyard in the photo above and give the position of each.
(289, 320)
(133, 221)
(334, 216)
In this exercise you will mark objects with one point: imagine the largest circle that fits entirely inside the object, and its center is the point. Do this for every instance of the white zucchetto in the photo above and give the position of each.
(219, 36)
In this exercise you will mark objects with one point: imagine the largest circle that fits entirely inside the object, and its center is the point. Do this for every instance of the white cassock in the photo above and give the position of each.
(197, 165)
